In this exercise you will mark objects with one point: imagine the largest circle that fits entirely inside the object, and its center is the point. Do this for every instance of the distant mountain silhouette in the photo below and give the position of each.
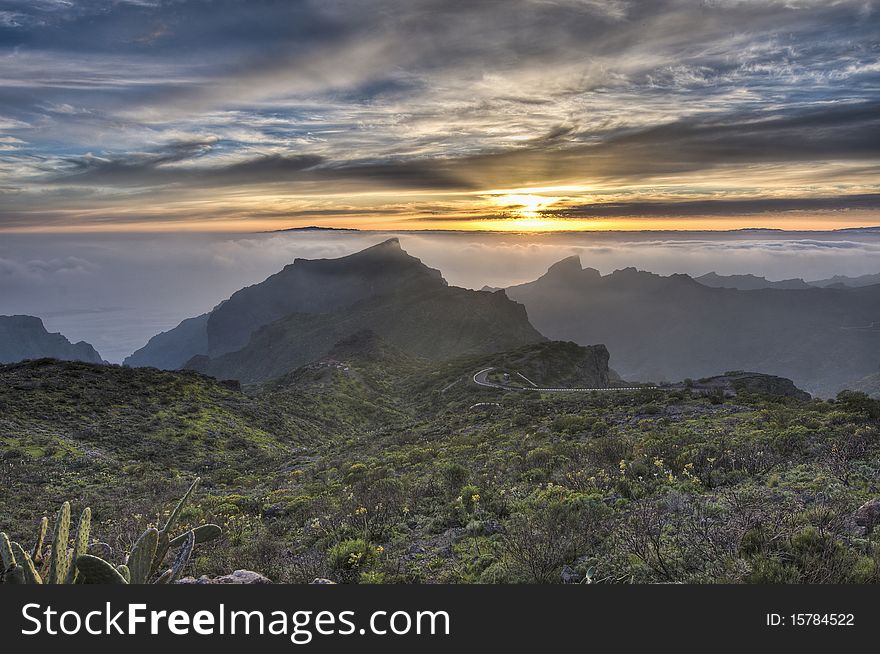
(172, 349)
(422, 318)
(869, 385)
(669, 328)
(748, 282)
(315, 286)
(25, 337)
(298, 314)
(842, 281)
(306, 286)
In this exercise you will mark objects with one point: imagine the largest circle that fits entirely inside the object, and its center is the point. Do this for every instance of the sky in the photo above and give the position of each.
(173, 116)
(116, 290)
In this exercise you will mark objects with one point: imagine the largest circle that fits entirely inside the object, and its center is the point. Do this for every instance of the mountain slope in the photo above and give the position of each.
(553, 364)
(172, 349)
(437, 474)
(848, 282)
(305, 287)
(25, 337)
(312, 287)
(869, 384)
(748, 282)
(674, 327)
(421, 318)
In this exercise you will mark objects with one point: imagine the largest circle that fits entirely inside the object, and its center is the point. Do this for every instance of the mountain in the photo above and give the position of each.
(172, 349)
(869, 384)
(748, 282)
(421, 317)
(669, 328)
(556, 364)
(847, 282)
(303, 287)
(25, 337)
(751, 382)
(315, 287)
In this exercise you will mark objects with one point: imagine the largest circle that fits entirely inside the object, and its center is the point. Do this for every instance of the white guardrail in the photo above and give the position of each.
(489, 384)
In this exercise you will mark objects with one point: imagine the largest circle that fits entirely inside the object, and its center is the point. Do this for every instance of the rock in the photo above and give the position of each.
(237, 577)
(868, 515)
(322, 580)
(570, 575)
(25, 337)
(492, 527)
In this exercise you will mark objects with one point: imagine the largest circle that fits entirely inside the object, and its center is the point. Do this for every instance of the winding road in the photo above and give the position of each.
(481, 378)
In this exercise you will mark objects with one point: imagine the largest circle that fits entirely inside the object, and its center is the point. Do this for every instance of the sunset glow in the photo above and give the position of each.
(191, 116)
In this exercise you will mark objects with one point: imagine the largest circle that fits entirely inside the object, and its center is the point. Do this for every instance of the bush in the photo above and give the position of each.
(454, 477)
(350, 558)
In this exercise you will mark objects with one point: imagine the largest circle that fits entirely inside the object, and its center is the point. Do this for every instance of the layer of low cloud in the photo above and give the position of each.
(116, 291)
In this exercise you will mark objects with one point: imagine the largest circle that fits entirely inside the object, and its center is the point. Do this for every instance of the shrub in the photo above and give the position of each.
(349, 558)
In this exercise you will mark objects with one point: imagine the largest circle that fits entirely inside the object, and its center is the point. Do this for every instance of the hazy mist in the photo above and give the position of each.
(116, 291)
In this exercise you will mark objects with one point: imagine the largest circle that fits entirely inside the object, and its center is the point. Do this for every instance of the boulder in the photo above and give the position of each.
(237, 577)
(868, 515)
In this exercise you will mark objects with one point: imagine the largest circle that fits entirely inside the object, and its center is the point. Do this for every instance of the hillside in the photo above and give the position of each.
(749, 282)
(556, 364)
(842, 281)
(172, 349)
(669, 328)
(305, 287)
(869, 385)
(427, 320)
(737, 382)
(25, 337)
(448, 482)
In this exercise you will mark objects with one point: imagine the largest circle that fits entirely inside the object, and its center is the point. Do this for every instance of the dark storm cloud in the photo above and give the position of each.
(450, 95)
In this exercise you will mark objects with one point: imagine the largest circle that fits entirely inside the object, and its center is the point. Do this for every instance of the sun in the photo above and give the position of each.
(525, 206)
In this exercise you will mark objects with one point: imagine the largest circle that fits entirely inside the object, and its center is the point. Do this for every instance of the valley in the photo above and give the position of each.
(401, 430)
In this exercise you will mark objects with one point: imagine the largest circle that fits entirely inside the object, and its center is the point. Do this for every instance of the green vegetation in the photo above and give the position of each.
(61, 565)
(385, 469)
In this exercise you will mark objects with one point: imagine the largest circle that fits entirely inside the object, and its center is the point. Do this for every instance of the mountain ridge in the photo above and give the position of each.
(24, 337)
(668, 328)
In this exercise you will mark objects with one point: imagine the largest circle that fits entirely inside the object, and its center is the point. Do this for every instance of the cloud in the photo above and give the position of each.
(116, 291)
(448, 96)
(736, 207)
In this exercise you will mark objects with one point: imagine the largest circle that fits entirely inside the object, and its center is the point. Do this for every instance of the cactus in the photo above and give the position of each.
(100, 549)
(161, 550)
(82, 565)
(6, 554)
(183, 555)
(177, 509)
(24, 560)
(164, 536)
(165, 577)
(98, 571)
(37, 551)
(14, 575)
(140, 561)
(203, 534)
(80, 544)
(58, 561)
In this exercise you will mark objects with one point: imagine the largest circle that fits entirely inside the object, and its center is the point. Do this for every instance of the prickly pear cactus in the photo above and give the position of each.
(80, 544)
(140, 561)
(98, 571)
(82, 565)
(58, 561)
